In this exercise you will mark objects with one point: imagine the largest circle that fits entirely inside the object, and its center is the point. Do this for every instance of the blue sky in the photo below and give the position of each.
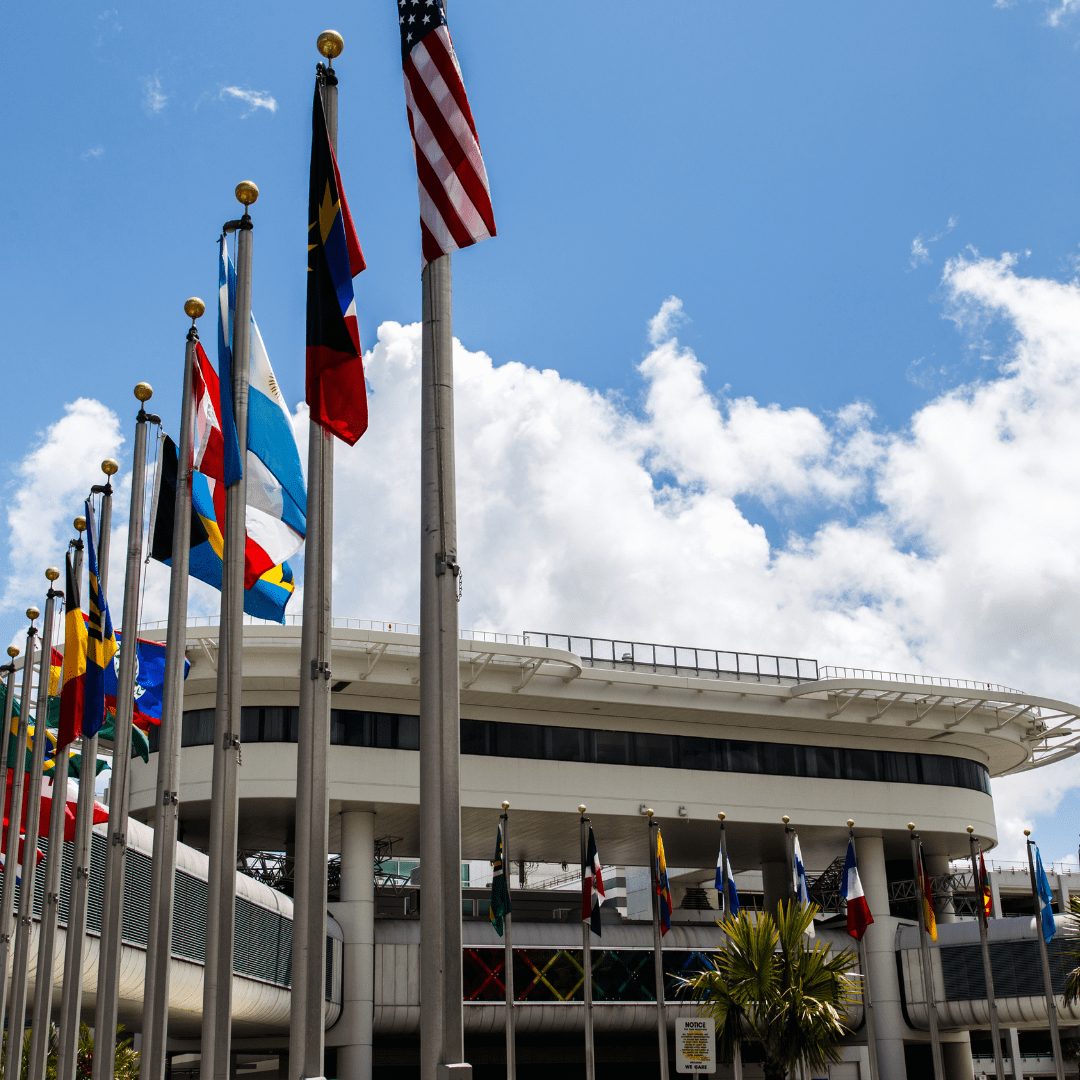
(797, 175)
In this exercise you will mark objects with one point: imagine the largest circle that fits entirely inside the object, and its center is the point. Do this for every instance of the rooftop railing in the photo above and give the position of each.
(679, 660)
(830, 672)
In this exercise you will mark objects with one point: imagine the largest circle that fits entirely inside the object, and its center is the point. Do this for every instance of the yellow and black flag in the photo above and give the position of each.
(100, 641)
(73, 689)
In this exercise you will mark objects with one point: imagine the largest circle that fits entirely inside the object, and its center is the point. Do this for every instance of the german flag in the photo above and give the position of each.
(336, 391)
(73, 688)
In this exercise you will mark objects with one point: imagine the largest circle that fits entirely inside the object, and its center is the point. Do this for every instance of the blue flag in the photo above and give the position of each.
(1046, 898)
(226, 413)
(725, 884)
(101, 641)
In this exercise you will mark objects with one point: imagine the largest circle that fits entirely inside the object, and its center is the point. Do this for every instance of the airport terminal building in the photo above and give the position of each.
(550, 722)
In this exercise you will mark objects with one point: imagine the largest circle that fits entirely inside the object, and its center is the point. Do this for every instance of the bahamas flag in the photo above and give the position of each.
(336, 390)
(266, 599)
(73, 686)
(100, 640)
(663, 889)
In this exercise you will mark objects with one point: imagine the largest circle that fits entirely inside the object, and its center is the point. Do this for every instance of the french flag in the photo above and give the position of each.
(858, 911)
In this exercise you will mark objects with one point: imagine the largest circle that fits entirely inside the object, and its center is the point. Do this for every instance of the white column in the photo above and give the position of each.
(881, 960)
(356, 914)
(1012, 1036)
(775, 883)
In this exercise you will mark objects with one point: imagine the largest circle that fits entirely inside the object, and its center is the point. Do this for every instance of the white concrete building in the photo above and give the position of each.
(549, 723)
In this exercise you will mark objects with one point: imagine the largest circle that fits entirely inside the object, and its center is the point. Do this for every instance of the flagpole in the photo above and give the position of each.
(46, 959)
(166, 813)
(658, 949)
(78, 881)
(441, 1036)
(988, 974)
(864, 967)
(736, 1060)
(108, 984)
(1044, 958)
(508, 953)
(586, 954)
(221, 884)
(924, 952)
(82, 853)
(789, 845)
(306, 1029)
(9, 710)
(18, 781)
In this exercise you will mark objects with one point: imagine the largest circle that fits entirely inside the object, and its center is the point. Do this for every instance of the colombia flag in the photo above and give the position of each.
(336, 392)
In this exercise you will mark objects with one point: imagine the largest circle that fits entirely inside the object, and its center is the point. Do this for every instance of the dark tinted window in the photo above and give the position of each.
(393, 731)
(656, 750)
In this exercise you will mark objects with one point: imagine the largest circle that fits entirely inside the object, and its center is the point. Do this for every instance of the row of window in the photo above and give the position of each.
(489, 738)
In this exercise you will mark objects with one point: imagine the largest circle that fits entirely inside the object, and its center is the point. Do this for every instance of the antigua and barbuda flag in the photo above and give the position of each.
(336, 390)
(725, 884)
(267, 598)
(858, 910)
(100, 639)
(276, 518)
(592, 886)
(802, 886)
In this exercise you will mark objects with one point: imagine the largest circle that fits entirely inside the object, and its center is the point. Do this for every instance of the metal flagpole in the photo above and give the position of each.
(79, 882)
(9, 709)
(108, 983)
(508, 955)
(221, 884)
(31, 829)
(789, 845)
(166, 814)
(306, 1030)
(441, 1037)
(658, 949)
(868, 1001)
(46, 959)
(586, 953)
(726, 909)
(11, 859)
(1051, 1005)
(924, 952)
(988, 974)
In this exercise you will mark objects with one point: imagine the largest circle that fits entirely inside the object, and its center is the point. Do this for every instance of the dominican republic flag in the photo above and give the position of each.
(276, 518)
(455, 200)
(725, 884)
(267, 598)
(592, 886)
(336, 390)
(802, 886)
(858, 910)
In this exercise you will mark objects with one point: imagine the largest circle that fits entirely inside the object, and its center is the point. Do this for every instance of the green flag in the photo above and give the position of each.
(500, 891)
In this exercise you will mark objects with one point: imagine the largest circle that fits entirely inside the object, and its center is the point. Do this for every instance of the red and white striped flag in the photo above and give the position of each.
(455, 201)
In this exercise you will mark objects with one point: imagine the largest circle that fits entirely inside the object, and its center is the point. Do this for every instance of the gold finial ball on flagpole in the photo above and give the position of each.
(330, 43)
(80, 524)
(143, 391)
(110, 467)
(721, 815)
(505, 804)
(649, 812)
(785, 819)
(52, 573)
(911, 826)
(850, 822)
(13, 651)
(247, 191)
(582, 808)
(32, 613)
(970, 829)
(1027, 832)
(194, 308)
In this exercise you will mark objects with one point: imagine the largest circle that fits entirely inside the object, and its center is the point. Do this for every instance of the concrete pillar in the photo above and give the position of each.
(1012, 1036)
(775, 884)
(1014, 1053)
(356, 914)
(881, 960)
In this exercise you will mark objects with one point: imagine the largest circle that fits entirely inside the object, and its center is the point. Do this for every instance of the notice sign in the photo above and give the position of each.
(695, 1045)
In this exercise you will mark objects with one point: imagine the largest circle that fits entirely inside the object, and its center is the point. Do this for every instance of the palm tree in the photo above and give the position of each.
(771, 988)
(1072, 980)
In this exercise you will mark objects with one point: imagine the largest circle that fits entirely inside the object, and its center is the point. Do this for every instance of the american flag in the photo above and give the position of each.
(592, 886)
(455, 201)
